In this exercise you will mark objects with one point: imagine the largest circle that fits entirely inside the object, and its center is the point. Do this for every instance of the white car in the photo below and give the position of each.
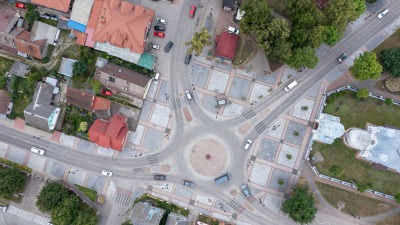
(161, 21)
(154, 46)
(382, 14)
(248, 144)
(106, 173)
(188, 95)
(233, 30)
(37, 151)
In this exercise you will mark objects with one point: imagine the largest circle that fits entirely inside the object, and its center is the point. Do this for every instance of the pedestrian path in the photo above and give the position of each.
(27, 215)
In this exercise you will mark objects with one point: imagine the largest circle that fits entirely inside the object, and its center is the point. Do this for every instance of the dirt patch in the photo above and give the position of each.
(165, 168)
(244, 128)
(274, 65)
(186, 113)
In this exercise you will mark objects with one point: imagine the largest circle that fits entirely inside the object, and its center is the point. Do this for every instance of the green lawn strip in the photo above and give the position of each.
(355, 170)
(356, 113)
(208, 220)
(16, 165)
(392, 42)
(351, 202)
(90, 193)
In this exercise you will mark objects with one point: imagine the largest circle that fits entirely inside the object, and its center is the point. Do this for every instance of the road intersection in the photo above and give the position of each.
(228, 134)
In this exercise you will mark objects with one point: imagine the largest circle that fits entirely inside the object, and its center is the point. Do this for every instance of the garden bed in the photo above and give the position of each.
(246, 50)
(73, 119)
(90, 193)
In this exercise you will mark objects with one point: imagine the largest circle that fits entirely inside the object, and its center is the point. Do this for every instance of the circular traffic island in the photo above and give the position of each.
(208, 157)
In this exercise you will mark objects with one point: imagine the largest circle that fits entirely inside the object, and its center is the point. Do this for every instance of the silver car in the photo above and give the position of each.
(245, 190)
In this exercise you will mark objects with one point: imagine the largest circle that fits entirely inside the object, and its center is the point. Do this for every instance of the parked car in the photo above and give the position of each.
(342, 58)
(188, 183)
(159, 177)
(48, 16)
(20, 5)
(38, 151)
(187, 59)
(106, 92)
(106, 173)
(192, 11)
(161, 21)
(383, 13)
(156, 77)
(248, 144)
(153, 46)
(159, 28)
(168, 46)
(159, 34)
(233, 30)
(188, 95)
(245, 190)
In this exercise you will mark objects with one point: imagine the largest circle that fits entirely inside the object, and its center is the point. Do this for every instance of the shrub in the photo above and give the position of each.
(361, 187)
(305, 108)
(393, 84)
(280, 182)
(289, 156)
(335, 170)
(389, 101)
(295, 133)
(397, 197)
(362, 93)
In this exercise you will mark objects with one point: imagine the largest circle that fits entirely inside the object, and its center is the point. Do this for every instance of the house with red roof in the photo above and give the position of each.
(28, 45)
(86, 101)
(60, 5)
(110, 134)
(119, 28)
(227, 44)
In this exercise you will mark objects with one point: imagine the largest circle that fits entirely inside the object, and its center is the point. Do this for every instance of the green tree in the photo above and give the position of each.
(300, 205)
(12, 181)
(332, 35)
(340, 13)
(317, 37)
(82, 126)
(397, 197)
(257, 16)
(390, 61)
(299, 37)
(359, 6)
(335, 169)
(66, 212)
(51, 196)
(86, 216)
(303, 57)
(362, 93)
(366, 66)
(31, 16)
(199, 41)
(95, 85)
(79, 68)
(273, 39)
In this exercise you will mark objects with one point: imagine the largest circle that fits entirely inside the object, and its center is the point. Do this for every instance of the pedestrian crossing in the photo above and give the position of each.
(248, 114)
(260, 127)
(123, 200)
(152, 160)
(234, 204)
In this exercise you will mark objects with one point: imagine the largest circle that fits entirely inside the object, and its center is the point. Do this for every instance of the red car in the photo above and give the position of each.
(106, 92)
(20, 5)
(159, 34)
(192, 11)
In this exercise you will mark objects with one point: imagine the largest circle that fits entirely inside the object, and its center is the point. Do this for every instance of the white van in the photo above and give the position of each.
(382, 14)
(291, 85)
(233, 30)
(188, 95)
(37, 151)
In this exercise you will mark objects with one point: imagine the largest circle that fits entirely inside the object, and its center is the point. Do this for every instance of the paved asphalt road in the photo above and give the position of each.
(204, 125)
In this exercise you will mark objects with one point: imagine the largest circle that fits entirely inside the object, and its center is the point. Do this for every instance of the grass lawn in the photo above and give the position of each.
(278, 5)
(392, 42)
(350, 202)
(356, 113)
(72, 52)
(208, 220)
(246, 50)
(90, 193)
(394, 220)
(5, 65)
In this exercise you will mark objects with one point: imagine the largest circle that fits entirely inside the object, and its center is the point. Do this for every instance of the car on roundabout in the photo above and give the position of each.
(106, 173)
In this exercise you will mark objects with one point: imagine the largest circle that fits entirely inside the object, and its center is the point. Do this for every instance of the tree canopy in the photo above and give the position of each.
(79, 68)
(66, 212)
(362, 93)
(303, 57)
(31, 15)
(300, 205)
(257, 17)
(199, 41)
(341, 12)
(366, 66)
(12, 181)
(391, 61)
(51, 196)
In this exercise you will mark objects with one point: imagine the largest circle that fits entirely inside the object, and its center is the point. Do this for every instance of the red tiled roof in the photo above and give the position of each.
(4, 101)
(80, 37)
(110, 134)
(25, 45)
(122, 24)
(60, 5)
(226, 45)
(101, 103)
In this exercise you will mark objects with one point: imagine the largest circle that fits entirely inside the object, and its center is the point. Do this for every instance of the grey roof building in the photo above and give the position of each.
(40, 113)
(44, 31)
(19, 69)
(66, 67)
(146, 214)
(177, 219)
